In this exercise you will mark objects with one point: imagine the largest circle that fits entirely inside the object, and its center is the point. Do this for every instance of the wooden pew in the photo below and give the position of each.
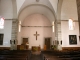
(72, 55)
(14, 54)
(65, 55)
(16, 59)
(49, 55)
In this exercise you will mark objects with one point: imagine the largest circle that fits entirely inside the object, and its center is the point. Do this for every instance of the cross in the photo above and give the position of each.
(36, 35)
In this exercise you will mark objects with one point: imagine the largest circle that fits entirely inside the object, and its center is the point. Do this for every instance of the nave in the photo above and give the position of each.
(44, 55)
(36, 57)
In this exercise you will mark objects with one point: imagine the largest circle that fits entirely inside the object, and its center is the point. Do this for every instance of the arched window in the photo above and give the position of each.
(1, 23)
(19, 26)
(71, 24)
(53, 26)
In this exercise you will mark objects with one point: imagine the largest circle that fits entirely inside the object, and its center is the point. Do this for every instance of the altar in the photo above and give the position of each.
(36, 50)
(24, 47)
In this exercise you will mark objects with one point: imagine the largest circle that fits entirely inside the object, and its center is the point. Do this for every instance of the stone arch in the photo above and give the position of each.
(37, 10)
(52, 17)
(41, 2)
(39, 23)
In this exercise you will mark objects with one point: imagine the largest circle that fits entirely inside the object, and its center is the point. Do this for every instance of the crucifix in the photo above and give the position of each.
(36, 35)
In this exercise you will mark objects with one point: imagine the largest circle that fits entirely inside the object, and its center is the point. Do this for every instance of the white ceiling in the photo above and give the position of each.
(39, 9)
(29, 7)
(52, 4)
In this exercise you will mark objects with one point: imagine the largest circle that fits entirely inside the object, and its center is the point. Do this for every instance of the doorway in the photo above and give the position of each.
(24, 41)
(48, 43)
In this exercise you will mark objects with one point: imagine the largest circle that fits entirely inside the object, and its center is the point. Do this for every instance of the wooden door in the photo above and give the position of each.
(25, 40)
(47, 43)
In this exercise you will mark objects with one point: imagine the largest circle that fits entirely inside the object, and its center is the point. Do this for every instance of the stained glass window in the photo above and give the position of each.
(71, 24)
(19, 26)
(53, 26)
(1, 23)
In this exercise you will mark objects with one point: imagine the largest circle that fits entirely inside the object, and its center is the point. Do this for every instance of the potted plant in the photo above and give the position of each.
(55, 47)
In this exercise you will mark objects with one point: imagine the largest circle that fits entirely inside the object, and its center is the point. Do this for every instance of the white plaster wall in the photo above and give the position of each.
(66, 32)
(36, 20)
(6, 9)
(29, 32)
(69, 10)
(7, 33)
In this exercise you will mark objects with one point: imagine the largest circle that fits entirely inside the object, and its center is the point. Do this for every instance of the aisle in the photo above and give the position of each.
(36, 57)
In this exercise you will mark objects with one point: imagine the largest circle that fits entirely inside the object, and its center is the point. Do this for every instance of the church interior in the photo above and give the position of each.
(39, 30)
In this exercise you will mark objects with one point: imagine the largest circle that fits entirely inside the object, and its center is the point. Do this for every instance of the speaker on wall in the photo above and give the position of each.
(61, 42)
(14, 41)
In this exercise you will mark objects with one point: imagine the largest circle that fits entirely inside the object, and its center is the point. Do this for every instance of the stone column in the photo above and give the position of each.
(14, 33)
(59, 35)
(56, 35)
(58, 18)
(14, 25)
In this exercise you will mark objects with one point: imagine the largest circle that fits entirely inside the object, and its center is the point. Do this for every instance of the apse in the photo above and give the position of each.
(36, 24)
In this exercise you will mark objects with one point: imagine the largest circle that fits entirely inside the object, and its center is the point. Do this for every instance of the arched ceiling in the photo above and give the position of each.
(29, 7)
(23, 3)
(40, 9)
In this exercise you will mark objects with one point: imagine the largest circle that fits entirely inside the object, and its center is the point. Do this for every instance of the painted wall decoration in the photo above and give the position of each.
(72, 39)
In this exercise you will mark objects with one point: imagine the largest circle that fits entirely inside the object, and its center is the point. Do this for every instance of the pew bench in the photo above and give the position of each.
(16, 59)
(15, 55)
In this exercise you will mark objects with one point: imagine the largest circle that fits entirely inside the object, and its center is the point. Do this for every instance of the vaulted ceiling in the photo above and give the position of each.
(45, 7)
